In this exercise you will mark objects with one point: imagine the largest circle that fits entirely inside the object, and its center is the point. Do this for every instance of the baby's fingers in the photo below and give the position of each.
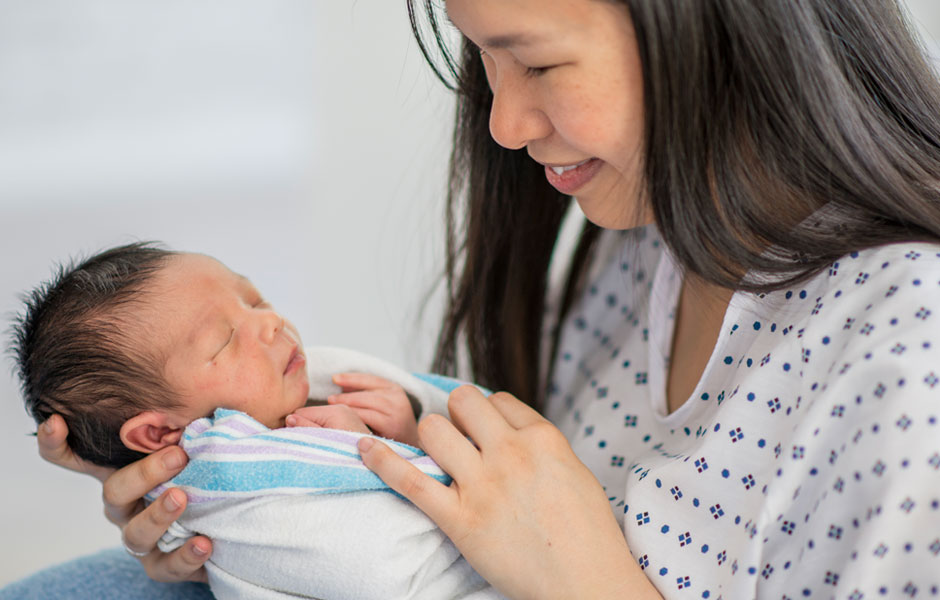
(297, 420)
(360, 381)
(371, 400)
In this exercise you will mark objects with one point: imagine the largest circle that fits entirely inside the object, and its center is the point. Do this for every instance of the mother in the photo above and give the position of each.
(744, 376)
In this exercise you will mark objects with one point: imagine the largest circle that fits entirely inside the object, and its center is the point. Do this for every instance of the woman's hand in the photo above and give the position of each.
(523, 510)
(124, 506)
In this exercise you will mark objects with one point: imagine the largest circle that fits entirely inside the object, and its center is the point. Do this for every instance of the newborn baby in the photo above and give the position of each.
(139, 348)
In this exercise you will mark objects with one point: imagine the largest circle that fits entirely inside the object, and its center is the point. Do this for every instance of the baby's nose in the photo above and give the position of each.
(271, 323)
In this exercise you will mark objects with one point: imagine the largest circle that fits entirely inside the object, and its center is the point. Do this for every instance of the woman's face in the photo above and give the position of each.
(568, 87)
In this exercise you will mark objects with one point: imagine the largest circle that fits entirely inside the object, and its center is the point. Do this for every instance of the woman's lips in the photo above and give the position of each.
(297, 360)
(571, 180)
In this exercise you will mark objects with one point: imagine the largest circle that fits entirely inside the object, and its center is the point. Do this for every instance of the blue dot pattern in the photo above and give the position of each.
(806, 464)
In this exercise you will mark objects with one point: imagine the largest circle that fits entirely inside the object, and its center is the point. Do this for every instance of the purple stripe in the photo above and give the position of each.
(332, 435)
(337, 435)
(198, 426)
(422, 462)
(321, 456)
(241, 425)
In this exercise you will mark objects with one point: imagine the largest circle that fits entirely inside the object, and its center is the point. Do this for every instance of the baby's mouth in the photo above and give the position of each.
(295, 361)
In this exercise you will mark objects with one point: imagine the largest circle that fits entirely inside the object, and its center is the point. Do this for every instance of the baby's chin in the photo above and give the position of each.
(303, 394)
(300, 400)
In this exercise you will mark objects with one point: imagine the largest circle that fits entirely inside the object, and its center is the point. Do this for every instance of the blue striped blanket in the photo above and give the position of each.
(293, 513)
(231, 455)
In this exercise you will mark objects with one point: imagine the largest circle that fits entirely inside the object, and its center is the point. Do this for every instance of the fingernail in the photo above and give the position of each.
(291, 420)
(170, 502)
(365, 444)
(330, 399)
(199, 551)
(47, 426)
(173, 460)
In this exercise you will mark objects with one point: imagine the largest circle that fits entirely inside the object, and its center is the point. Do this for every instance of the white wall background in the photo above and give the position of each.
(302, 142)
(926, 15)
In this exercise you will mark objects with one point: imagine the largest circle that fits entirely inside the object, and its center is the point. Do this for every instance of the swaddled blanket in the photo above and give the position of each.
(293, 512)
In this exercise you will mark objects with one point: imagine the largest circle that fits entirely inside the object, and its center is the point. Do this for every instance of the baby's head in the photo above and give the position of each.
(132, 344)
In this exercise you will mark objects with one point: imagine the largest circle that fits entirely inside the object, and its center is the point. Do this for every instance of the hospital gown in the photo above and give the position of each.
(807, 461)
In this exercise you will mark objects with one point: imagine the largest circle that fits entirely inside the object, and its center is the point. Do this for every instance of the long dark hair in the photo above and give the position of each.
(758, 114)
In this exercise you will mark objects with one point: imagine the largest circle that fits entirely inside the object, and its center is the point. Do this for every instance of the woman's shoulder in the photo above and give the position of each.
(894, 260)
(886, 282)
(874, 280)
(876, 309)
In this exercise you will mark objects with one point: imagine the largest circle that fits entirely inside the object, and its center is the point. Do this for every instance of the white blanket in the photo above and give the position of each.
(293, 513)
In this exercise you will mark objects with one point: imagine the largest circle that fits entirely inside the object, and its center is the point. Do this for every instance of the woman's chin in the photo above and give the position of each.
(604, 213)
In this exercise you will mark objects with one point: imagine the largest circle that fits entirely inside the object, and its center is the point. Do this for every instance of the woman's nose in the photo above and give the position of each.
(516, 119)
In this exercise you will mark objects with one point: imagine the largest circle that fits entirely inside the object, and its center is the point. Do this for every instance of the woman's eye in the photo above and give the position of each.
(536, 71)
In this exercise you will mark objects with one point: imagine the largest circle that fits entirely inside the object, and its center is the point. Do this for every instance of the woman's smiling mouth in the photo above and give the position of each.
(567, 179)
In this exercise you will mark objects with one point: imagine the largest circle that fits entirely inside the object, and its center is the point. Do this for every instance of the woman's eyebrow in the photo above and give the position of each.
(508, 40)
(512, 40)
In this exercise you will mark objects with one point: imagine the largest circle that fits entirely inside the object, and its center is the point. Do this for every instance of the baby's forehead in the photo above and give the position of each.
(202, 268)
(193, 286)
(190, 291)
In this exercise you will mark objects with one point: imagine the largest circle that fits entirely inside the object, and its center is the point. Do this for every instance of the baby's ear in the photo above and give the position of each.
(150, 431)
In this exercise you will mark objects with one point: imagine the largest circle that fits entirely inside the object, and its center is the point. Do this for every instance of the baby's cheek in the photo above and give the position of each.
(223, 383)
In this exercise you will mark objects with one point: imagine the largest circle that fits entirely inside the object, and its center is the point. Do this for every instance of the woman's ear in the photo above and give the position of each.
(150, 431)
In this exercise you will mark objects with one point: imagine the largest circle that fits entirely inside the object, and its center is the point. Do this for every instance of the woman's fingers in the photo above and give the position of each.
(517, 413)
(51, 437)
(124, 489)
(476, 416)
(183, 564)
(449, 448)
(142, 531)
(432, 497)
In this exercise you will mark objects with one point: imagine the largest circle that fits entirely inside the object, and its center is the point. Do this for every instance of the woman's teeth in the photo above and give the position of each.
(560, 170)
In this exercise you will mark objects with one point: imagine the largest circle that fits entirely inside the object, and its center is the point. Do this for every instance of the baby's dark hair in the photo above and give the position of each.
(77, 356)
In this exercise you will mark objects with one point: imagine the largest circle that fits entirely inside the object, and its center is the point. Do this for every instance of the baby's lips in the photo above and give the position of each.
(296, 360)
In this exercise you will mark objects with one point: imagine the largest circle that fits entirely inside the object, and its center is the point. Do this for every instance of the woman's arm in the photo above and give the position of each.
(523, 510)
(123, 503)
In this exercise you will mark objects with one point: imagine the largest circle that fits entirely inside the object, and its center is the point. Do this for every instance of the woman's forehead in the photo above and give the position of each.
(498, 24)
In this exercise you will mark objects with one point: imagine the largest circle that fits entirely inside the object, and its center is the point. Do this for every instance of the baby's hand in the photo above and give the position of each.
(331, 417)
(381, 404)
